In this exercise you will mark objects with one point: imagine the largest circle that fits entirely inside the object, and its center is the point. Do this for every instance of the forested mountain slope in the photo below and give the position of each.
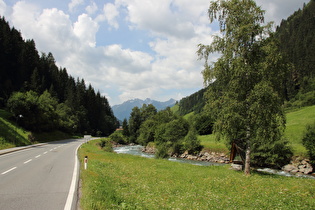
(45, 96)
(297, 42)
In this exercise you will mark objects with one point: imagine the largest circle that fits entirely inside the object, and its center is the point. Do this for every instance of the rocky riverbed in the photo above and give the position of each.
(215, 157)
(298, 166)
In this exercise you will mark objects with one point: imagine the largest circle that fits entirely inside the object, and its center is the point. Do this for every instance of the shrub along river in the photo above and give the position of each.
(137, 150)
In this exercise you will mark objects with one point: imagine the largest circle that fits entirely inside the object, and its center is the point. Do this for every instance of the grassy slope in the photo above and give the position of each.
(295, 128)
(12, 135)
(120, 181)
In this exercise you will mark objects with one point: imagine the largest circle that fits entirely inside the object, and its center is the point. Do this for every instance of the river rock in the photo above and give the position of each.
(299, 166)
(236, 167)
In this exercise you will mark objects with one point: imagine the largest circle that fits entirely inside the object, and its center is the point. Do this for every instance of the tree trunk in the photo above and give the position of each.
(248, 151)
(247, 160)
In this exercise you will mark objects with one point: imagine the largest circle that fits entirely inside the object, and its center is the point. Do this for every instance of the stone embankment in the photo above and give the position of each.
(299, 166)
(215, 157)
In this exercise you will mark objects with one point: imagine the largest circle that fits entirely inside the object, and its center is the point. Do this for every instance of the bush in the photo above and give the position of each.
(192, 143)
(118, 137)
(309, 142)
(162, 150)
(276, 154)
(106, 145)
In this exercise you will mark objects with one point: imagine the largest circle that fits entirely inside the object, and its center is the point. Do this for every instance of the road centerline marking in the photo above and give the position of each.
(37, 156)
(28, 161)
(8, 170)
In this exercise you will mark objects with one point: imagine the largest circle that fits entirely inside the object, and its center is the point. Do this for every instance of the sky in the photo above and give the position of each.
(127, 49)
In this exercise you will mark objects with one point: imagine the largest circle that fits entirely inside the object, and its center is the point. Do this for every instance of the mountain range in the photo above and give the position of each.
(123, 110)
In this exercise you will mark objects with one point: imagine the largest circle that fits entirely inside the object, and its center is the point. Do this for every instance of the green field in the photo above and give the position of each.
(120, 181)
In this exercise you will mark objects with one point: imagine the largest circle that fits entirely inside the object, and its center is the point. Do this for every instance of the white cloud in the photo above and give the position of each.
(276, 10)
(91, 9)
(85, 29)
(75, 3)
(3, 8)
(110, 14)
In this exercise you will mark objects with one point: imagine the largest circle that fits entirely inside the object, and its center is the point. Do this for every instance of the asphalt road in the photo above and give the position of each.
(41, 177)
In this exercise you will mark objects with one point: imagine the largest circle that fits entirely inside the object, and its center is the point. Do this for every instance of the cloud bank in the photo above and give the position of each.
(127, 48)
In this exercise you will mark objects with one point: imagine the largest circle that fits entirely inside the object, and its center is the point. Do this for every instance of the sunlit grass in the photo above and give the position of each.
(209, 142)
(296, 125)
(120, 181)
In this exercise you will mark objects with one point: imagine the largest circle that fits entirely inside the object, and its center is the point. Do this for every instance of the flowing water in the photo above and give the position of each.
(137, 150)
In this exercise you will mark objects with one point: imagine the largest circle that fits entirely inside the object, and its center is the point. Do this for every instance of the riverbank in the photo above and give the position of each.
(204, 155)
(299, 167)
(118, 181)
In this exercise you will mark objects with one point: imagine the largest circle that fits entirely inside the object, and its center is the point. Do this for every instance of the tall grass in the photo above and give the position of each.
(120, 181)
(10, 134)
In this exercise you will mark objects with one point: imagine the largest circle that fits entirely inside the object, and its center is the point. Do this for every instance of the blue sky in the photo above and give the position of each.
(127, 49)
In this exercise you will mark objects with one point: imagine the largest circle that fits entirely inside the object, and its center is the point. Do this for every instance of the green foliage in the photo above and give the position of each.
(193, 103)
(10, 134)
(296, 35)
(191, 142)
(247, 95)
(118, 137)
(125, 128)
(106, 144)
(203, 123)
(309, 141)
(134, 124)
(273, 154)
(147, 131)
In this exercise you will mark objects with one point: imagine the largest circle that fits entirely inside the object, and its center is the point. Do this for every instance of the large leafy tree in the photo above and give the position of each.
(247, 80)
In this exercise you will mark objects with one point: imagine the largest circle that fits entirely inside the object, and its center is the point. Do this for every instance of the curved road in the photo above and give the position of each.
(42, 177)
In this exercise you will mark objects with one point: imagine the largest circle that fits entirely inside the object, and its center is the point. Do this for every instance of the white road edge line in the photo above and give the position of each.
(8, 170)
(28, 161)
(73, 182)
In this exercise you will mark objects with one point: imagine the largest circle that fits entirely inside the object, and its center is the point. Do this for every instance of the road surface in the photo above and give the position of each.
(42, 177)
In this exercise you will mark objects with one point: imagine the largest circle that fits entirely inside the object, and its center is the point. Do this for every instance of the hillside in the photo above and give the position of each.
(49, 99)
(296, 125)
(12, 135)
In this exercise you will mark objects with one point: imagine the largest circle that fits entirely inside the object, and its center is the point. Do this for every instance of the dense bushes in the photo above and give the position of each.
(309, 142)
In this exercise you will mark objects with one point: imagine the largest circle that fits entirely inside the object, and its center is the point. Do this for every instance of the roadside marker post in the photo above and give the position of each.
(85, 162)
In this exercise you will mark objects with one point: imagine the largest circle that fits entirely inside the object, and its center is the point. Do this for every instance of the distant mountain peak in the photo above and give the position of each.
(123, 110)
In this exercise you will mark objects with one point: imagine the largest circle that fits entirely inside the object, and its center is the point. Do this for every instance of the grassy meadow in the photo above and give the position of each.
(121, 181)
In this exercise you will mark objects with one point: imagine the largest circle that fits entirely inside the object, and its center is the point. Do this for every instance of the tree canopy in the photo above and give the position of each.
(247, 95)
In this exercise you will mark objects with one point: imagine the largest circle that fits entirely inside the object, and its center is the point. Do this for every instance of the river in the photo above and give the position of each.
(137, 150)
